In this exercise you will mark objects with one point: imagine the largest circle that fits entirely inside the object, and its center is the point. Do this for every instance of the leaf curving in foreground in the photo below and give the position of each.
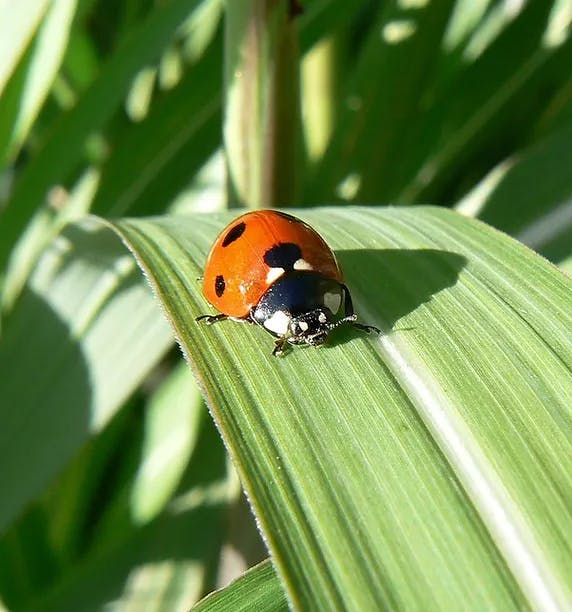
(426, 468)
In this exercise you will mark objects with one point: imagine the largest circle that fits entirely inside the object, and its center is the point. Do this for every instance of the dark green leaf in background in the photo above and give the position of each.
(86, 331)
(60, 154)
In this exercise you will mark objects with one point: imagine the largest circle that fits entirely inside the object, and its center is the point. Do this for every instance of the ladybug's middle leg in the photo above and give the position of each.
(212, 319)
(279, 347)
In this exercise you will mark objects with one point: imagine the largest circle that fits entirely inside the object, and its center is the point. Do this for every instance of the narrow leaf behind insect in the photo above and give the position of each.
(86, 330)
(258, 589)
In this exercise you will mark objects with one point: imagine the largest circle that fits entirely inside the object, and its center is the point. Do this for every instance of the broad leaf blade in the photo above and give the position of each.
(81, 338)
(427, 468)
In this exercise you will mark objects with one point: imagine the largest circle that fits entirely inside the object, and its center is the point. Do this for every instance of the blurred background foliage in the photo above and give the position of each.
(116, 108)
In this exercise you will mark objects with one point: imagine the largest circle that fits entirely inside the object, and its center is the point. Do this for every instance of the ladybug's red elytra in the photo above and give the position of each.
(270, 268)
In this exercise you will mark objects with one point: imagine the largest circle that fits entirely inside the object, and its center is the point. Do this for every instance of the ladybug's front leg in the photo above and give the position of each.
(280, 346)
(212, 319)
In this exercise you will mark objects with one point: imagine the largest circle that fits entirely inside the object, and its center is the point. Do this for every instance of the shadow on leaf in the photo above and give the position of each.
(395, 282)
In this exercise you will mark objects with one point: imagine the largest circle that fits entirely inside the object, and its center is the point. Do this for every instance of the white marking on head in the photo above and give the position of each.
(303, 325)
(273, 274)
(302, 264)
(333, 301)
(278, 323)
(322, 317)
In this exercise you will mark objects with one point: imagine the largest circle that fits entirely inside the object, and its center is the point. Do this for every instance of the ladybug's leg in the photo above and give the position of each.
(211, 319)
(368, 329)
(279, 347)
(351, 317)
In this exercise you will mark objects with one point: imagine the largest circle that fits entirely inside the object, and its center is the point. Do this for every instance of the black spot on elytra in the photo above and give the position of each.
(219, 285)
(283, 255)
(234, 234)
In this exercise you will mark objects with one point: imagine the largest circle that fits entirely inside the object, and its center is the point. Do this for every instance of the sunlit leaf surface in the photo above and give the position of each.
(427, 467)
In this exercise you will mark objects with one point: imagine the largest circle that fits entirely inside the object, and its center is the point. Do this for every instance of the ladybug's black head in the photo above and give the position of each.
(301, 307)
(311, 327)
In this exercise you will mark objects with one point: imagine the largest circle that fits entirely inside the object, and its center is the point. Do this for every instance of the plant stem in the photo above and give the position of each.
(261, 129)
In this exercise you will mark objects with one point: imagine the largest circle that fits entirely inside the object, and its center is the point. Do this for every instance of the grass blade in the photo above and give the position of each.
(96, 332)
(60, 154)
(258, 589)
(425, 469)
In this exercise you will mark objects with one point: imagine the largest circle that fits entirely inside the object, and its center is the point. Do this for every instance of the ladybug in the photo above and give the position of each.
(274, 270)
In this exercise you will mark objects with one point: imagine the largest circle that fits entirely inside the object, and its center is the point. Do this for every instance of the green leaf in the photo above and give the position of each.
(18, 23)
(258, 589)
(373, 125)
(41, 69)
(478, 83)
(540, 181)
(486, 101)
(167, 563)
(46, 224)
(427, 467)
(172, 426)
(60, 154)
(51, 532)
(85, 331)
(322, 17)
(156, 158)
